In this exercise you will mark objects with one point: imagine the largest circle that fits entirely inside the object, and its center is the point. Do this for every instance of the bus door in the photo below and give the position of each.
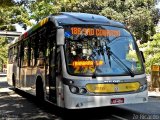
(51, 72)
(18, 65)
(59, 77)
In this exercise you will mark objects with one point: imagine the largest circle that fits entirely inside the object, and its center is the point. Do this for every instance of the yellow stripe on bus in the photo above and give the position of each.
(109, 88)
(42, 22)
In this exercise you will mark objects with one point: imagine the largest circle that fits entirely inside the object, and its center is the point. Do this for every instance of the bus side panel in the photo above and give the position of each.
(13, 71)
(9, 73)
(16, 73)
(28, 78)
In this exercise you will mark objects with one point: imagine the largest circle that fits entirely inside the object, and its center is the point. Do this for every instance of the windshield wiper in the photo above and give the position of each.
(95, 67)
(108, 53)
(118, 61)
(111, 41)
(102, 52)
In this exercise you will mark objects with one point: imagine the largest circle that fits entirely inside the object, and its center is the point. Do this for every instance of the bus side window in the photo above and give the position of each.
(29, 52)
(10, 53)
(21, 54)
(15, 55)
(25, 54)
(18, 55)
(33, 50)
(32, 54)
(42, 49)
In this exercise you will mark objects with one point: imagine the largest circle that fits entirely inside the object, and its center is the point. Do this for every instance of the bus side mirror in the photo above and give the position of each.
(142, 56)
(60, 36)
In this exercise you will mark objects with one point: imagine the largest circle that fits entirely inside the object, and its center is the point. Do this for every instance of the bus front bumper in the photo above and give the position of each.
(74, 101)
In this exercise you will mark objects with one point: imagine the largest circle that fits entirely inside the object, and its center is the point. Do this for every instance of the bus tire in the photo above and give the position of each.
(39, 90)
(13, 81)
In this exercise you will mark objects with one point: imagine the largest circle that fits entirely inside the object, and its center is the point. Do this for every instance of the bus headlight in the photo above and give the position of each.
(74, 89)
(77, 90)
(143, 87)
(82, 91)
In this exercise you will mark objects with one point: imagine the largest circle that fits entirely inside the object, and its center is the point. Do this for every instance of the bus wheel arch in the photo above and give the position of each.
(39, 89)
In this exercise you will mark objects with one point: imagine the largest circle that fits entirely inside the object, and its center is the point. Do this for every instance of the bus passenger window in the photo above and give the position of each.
(25, 54)
(32, 60)
(41, 51)
(10, 54)
(40, 61)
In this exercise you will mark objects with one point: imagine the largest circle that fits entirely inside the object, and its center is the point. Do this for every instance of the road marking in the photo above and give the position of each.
(5, 90)
(121, 118)
(14, 95)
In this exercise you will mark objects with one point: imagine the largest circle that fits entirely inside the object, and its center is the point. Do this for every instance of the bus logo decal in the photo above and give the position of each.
(116, 89)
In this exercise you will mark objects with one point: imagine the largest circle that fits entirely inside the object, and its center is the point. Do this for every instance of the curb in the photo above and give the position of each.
(3, 75)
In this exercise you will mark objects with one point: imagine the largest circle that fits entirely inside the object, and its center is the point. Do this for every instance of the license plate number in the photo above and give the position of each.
(117, 100)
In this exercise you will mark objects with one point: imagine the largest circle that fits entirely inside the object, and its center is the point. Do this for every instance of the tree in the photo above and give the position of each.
(6, 3)
(3, 52)
(151, 51)
(11, 13)
(86, 6)
(43, 9)
(140, 16)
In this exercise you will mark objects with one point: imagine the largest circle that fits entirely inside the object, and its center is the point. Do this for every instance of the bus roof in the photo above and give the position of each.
(85, 18)
(69, 18)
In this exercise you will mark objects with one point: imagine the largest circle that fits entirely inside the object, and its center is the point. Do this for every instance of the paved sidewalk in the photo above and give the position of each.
(3, 74)
(153, 94)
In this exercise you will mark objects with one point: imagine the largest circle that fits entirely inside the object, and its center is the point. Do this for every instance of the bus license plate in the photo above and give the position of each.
(117, 100)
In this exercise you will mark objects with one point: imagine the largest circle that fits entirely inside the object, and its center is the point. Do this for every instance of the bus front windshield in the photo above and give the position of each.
(101, 50)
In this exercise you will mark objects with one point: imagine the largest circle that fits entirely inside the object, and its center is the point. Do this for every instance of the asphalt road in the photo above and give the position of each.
(17, 105)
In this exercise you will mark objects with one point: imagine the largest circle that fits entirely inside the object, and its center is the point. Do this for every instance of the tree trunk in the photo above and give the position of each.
(2, 65)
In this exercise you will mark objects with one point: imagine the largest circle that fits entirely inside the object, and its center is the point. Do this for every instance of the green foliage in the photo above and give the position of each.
(151, 51)
(11, 15)
(140, 16)
(6, 3)
(3, 49)
(85, 6)
(43, 9)
(112, 14)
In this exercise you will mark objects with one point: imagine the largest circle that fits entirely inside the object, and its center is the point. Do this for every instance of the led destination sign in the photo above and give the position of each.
(87, 63)
(93, 31)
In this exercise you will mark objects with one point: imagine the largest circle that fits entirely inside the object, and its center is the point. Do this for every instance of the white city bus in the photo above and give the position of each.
(78, 60)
